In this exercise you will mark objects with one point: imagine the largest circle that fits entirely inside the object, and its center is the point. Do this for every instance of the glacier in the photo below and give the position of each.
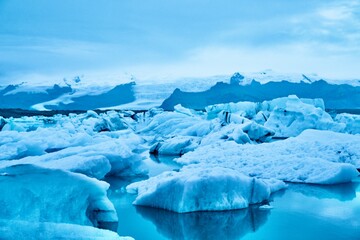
(143, 94)
(309, 158)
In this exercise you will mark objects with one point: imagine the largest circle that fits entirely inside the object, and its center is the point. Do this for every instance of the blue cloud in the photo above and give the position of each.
(43, 36)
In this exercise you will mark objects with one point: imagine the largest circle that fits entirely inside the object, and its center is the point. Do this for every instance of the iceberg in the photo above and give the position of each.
(202, 189)
(175, 146)
(45, 195)
(321, 157)
(351, 121)
(167, 124)
(110, 156)
(296, 116)
(48, 230)
(286, 116)
(16, 145)
(73, 143)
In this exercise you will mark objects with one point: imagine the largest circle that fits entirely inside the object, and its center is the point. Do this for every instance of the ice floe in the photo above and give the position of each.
(202, 189)
(34, 194)
(322, 157)
(48, 230)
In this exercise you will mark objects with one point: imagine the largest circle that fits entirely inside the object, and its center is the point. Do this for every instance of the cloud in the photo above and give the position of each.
(173, 38)
(342, 11)
(288, 58)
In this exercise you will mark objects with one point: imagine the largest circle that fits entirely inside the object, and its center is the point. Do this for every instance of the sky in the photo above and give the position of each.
(42, 39)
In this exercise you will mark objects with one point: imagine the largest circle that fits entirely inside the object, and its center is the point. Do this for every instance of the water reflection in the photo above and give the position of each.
(205, 225)
(301, 211)
(341, 192)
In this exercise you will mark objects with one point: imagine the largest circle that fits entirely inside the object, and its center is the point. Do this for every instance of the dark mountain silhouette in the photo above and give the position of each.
(342, 96)
(24, 100)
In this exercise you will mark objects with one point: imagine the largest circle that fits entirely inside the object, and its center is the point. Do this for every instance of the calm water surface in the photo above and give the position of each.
(299, 212)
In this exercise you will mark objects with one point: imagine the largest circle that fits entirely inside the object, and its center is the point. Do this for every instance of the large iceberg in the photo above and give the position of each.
(296, 116)
(45, 195)
(77, 143)
(202, 189)
(321, 157)
(286, 116)
(176, 124)
(109, 156)
(351, 121)
(48, 230)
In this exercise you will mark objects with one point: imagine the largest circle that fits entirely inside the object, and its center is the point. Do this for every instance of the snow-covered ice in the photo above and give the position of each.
(230, 155)
(322, 157)
(49, 230)
(351, 121)
(296, 116)
(286, 116)
(73, 143)
(176, 145)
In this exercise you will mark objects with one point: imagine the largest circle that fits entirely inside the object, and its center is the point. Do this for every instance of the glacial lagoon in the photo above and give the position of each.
(302, 211)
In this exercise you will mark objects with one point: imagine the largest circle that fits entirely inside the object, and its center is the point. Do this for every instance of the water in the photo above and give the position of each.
(299, 212)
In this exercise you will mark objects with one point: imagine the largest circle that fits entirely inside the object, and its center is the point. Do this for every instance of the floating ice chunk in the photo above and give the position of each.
(240, 133)
(231, 132)
(287, 116)
(115, 152)
(327, 145)
(296, 116)
(180, 109)
(283, 102)
(45, 195)
(239, 136)
(351, 121)
(261, 117)
(245, 109)
(177, 124)
(12, 126)
(265, 207)
(110, 156)
(16, 145)
(250, 109)
(322, 157)
(110, 121)
(200, 189)
(176, 145)
(47, 230)
(227, 117)
(257, 132)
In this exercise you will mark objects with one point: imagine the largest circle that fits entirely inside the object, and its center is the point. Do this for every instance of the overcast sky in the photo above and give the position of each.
(156, 38)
